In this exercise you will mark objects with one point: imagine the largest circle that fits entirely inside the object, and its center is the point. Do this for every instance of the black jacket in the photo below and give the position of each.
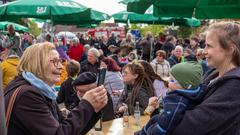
(88, 67)
(67, 94)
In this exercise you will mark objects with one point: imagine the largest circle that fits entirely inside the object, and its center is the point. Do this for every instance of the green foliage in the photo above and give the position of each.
(184, 32)
(33, 28)
(154, 29)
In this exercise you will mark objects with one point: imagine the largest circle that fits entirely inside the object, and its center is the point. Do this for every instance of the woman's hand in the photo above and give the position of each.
(97, 97)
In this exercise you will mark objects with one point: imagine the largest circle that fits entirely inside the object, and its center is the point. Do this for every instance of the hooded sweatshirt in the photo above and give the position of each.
(9, 69)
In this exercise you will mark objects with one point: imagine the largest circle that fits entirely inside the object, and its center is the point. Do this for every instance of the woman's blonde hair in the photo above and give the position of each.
(34, 59)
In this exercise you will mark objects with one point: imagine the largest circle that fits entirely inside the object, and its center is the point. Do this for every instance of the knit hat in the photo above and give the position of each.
(85, 78)
(188, 74)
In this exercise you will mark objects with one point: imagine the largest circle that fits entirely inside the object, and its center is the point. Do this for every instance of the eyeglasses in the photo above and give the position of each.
(56, 62)
(124, 73)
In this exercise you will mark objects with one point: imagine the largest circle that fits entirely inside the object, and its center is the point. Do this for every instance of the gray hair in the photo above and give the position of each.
(95, 52)
(178, 47)
(10, 25)
(75, 40)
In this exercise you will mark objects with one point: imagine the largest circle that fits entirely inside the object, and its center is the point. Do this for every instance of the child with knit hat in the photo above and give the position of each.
(185, 92)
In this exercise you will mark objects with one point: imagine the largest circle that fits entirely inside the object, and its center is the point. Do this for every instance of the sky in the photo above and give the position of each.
(107, 6)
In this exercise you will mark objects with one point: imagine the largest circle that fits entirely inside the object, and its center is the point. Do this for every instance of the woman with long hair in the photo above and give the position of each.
(160, 85)
(138, 87)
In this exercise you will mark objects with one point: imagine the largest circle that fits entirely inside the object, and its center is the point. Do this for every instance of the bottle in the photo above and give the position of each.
(137, 114)
(126, 118)
(98, 125)
(149, 110)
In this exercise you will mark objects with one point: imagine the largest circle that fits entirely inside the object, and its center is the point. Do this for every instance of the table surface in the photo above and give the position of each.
(115, 127)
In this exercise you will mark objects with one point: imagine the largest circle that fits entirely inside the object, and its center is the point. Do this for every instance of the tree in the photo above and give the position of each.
(33, 28)
(184, 32)
(154, 29)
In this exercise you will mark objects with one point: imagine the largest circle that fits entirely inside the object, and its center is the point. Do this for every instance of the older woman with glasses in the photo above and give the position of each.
(35, 110)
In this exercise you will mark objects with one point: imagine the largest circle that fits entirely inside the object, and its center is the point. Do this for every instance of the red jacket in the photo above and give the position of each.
(76, 52)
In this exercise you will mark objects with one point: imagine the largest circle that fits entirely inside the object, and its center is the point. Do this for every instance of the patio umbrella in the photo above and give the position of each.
(93, 17)
(87, 25)
(17, 27)
(125, 16)
(201, 9)
(55, 10)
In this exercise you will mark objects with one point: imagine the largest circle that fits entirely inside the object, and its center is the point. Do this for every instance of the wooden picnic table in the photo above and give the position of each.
(115, 127)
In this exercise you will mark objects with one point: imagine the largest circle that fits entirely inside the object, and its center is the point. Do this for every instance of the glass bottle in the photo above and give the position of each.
(137, 114)
(126, 118)
(98, 125)
(149, 110)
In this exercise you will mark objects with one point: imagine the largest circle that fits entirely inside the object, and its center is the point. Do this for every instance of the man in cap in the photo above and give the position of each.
(87, 81)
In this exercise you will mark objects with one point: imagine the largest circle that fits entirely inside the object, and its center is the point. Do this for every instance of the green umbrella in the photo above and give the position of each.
(17, 27)
(202, 9)
(93, 17)
(56, 10)
(87, 25)
(125, 16)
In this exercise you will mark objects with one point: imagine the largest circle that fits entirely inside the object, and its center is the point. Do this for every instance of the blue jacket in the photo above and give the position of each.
(218, 113)
(175, 104)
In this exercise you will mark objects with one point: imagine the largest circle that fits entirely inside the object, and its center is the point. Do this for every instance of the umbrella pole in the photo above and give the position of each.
(3, 129)
(127, 27)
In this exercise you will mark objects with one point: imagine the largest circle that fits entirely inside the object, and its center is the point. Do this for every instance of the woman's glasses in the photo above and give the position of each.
(56, 62)
(124, 72)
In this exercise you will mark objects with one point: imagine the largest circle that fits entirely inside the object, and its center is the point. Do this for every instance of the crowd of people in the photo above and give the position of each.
(197, 78)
